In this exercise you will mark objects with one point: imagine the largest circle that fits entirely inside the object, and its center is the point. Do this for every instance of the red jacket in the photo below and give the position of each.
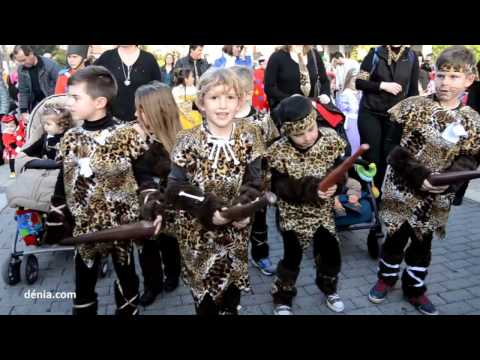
(12, 140)
(259, 98)
(61, 86)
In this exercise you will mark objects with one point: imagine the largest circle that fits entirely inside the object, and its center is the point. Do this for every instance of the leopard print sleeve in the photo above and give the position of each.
(338, 143)
(407, 111)
(66, 145)
(399, 113)
(184, 150)
(273, 156)
(471, 121)
(258, 144)
(252, 138)
(132, 142)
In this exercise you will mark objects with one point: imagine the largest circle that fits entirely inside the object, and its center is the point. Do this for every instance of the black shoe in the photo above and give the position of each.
(171, 283)
(458, 200)
(148, 297)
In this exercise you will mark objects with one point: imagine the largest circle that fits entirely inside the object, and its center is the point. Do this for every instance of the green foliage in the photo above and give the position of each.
(437, 49)
(360, 51)
(60, 57)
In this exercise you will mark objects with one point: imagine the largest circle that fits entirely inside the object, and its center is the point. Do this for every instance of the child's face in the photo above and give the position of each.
(51, 127)
(449, 85)
(82, 106)
(237, 50)
(169, 59)
(307, 138)
(189, 80)
(220, 106)
(74, 61)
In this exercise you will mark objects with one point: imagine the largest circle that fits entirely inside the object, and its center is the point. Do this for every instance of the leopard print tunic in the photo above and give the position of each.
(285, 158)
(266, 125)
(424, 120)
(208, 266)
(100, 186)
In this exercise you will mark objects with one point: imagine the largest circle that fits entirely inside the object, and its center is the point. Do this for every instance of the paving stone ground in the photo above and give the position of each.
(453, 281)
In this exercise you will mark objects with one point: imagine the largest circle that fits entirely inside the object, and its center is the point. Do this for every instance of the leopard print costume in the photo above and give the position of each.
(285, 158)
(209, 267)
(266, 125)
(100, 186)
(423, 120)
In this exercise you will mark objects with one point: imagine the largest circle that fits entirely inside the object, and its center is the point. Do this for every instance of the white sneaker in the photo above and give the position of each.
(335, 303)
(282, 310)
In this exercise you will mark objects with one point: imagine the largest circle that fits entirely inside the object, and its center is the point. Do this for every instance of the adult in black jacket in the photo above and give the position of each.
(283, 75)
(385, 81)
(194, 62)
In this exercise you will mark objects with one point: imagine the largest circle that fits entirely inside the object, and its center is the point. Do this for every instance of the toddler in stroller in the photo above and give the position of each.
(355, 208)
(31, 193)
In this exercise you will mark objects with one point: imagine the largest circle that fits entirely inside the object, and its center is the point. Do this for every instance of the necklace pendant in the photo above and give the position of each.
(127, 82)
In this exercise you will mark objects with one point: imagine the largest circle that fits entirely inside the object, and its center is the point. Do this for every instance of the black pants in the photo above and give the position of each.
(459, 195)
(379, 132)
(226, 305)
(417, 258)
(259, 236)
(11, 162)
(126, 289)
(163, 250)
(326, 251)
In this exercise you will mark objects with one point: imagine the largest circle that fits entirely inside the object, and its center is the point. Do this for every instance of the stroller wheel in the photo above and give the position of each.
(104, 267)
(372, 244)
(30, 268)
(11, 270)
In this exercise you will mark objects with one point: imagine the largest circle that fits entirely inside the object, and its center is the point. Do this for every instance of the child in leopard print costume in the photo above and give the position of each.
(298, 162)
(439, 134)
(214, 165)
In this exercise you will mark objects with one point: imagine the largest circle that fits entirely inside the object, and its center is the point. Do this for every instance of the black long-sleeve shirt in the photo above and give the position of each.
(143, 71)
(282, 76)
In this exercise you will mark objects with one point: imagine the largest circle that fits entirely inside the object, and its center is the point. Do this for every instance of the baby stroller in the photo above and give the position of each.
(30, 194)
(367, 215)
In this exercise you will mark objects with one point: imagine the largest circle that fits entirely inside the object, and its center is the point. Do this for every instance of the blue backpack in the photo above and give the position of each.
(376, 58)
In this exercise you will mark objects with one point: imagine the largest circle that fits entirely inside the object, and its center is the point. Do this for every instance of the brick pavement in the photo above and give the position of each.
(454, 280)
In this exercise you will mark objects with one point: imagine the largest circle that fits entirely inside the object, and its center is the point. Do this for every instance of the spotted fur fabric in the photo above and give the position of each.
(423, 121)
(215, 258)
(100, 187)
(283, 157)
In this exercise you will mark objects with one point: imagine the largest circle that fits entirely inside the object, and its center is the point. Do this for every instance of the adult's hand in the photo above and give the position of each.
(391, 87)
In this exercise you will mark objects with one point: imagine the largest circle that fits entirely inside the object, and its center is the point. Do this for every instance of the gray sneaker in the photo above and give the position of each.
(335, 303)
